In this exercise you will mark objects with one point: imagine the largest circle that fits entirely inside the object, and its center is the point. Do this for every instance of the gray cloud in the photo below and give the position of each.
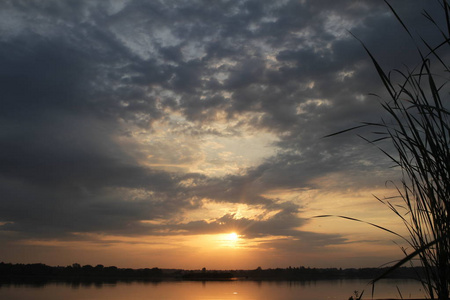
(76, 75)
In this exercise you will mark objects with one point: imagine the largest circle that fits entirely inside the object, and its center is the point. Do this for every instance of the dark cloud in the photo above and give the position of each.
(78, 76)
(283, 225)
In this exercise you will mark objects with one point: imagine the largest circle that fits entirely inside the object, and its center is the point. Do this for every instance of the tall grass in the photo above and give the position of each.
(418, 127)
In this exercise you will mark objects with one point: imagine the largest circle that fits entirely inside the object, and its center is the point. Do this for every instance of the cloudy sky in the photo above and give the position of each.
(143, 133)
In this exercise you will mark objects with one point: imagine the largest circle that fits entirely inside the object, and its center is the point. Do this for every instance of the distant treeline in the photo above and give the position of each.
(23, 272)
(307, 273)
(75, 272)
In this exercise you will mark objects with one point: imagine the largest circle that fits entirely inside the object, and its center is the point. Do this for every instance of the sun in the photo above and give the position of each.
(233, 237)
(229, 240)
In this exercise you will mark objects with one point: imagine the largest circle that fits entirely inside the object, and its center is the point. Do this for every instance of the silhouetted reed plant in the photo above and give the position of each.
(419, 129)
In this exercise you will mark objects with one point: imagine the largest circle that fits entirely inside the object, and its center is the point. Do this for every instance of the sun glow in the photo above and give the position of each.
(229, 240)
(233, 237)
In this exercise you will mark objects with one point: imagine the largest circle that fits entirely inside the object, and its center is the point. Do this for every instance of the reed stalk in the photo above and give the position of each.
(418, 127)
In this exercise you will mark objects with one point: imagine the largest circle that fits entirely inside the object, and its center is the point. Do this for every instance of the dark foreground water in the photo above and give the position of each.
(197, 290)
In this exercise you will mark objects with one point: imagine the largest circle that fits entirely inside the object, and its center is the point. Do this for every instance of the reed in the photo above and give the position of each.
(418, 128)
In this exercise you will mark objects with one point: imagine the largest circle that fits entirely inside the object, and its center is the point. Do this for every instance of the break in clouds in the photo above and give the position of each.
(123, 117)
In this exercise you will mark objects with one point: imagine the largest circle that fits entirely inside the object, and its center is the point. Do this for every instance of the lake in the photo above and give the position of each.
(212, 290)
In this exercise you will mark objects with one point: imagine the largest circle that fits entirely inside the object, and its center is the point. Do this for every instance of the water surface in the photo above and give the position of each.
(212, 290)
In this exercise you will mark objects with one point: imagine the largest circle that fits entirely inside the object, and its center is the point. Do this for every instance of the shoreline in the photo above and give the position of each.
(41, 273)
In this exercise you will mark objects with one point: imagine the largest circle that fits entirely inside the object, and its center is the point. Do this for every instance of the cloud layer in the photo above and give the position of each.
(126, 117)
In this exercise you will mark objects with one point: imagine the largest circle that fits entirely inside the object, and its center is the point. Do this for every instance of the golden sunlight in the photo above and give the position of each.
(233, 237)
(229, 240)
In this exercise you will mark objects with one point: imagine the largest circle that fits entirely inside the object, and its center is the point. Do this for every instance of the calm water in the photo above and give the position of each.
(190, 290)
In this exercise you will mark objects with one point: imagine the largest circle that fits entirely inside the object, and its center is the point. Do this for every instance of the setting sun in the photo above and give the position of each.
(233, 237)
(229, 240)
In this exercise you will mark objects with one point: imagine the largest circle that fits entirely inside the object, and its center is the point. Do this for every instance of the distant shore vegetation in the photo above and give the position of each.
(41, 273)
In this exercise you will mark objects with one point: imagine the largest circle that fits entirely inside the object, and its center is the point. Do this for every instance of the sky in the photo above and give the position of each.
(190, 134)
